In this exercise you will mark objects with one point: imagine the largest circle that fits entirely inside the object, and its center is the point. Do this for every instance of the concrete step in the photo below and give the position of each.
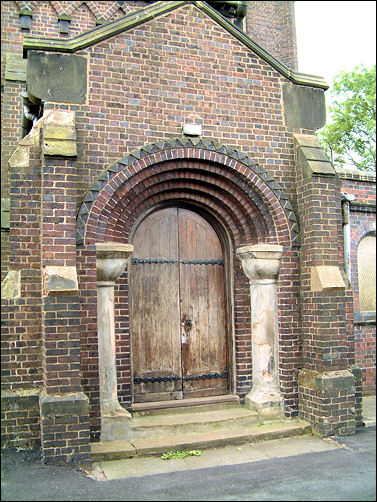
(145, 427)
(115, 450)
(185, 405)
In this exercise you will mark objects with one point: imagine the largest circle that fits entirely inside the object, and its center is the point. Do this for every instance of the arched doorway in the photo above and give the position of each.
(178, 320)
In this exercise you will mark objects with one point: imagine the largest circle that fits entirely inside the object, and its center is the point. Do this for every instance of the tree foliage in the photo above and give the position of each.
(350, 137)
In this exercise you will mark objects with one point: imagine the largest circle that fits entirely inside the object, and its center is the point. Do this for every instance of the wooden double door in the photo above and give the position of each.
(177, 308)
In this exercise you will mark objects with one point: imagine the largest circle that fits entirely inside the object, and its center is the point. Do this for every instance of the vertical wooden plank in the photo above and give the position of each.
(155, 310)
(203, 301)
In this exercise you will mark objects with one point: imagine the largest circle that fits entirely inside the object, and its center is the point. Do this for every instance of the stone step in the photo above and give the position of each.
(185, 423)
(115, 450)
(184, 405)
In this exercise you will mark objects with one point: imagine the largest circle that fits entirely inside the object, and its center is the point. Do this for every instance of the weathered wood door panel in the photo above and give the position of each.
(156, 346)
(203, 305)
(177, 314)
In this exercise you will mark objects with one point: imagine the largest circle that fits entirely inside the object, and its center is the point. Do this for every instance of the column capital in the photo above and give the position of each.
(111, 260)
(261, 262)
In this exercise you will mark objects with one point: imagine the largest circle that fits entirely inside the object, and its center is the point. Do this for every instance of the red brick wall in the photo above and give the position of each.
(363, 223)
(272, 25)
(365, 340)
(21, 317)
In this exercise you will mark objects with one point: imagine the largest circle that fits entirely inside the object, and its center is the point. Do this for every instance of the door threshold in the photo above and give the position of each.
(181, 403)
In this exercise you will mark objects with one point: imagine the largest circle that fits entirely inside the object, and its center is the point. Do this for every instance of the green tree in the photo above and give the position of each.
(350, 137)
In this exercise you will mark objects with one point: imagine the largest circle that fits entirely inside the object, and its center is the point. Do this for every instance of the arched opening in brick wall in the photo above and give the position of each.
(239, 200)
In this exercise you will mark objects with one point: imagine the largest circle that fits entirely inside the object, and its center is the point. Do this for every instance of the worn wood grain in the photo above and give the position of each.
(177, 321)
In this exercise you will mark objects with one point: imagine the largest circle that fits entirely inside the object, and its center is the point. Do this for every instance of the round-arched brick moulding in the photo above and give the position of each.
(239, 193)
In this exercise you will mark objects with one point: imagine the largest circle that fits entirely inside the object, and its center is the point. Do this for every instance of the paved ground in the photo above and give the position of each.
(305, 468)
(214, 457)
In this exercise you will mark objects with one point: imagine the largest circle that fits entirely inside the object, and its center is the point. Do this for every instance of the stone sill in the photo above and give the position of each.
(364, 318)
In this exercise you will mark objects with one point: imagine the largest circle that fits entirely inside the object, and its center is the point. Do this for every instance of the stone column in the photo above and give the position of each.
(111, 262)
(261, 263)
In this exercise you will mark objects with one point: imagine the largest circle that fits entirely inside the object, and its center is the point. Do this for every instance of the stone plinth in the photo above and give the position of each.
(111, 262)
(261, 263)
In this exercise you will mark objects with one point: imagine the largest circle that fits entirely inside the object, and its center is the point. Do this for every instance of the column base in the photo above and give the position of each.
(268, 405)
(115, 421)
(116, 428)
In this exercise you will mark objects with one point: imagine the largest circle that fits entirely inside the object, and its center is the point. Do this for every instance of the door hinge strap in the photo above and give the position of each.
(143, 261)
(205, 376)
(203, 262)
(156, 379)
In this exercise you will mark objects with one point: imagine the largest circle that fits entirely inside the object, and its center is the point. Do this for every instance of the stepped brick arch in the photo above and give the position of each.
(229, 184)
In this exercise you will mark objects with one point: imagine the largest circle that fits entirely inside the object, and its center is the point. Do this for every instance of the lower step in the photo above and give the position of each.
(175, 424)
(184, 405)
(115, 450)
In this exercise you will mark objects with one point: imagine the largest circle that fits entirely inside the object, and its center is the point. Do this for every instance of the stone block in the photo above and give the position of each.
(115, 428)
(59, 78)
(60, 117)
(311, 158)
(315, 153)
(308, 140)
(60, 281)
(76, 404)
(311, 167)
(326, 278)
(60, 148)
(59, 132)
(21, 399)
(20, 157)
(192, 129)
(15, 67)
(319, 168)
(5, 213)
(340, 381)
(32, 138)
(11, 285)
(304, 107)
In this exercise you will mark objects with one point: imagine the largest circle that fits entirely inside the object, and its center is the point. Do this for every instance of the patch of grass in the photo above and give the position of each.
(181, 454)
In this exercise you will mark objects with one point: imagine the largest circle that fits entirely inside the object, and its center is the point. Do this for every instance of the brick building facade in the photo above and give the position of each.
(117, 111)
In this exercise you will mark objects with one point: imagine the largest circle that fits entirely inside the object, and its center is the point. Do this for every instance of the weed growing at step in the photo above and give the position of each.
(181, 454)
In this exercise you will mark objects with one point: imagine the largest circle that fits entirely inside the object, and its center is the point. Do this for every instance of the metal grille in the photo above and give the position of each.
(366, 260)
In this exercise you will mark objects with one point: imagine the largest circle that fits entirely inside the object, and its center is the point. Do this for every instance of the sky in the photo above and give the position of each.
(335, 36)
